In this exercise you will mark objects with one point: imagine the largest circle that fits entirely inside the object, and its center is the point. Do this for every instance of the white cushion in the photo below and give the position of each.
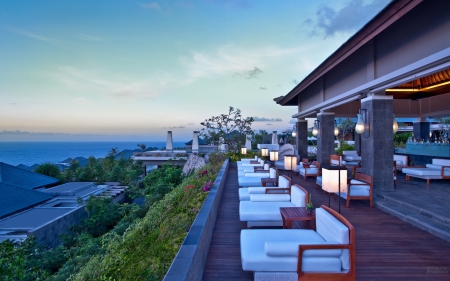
(422, 171)
(442, 162)
(257, 175)
(319, 180)
(332, 230)
(399, 162)
(272, 173)
(245, 182)
(334, 162)
(298, 197)
(244, 194)
(290, 249)
(270, 198)
(283, 182)
(254, 258)
(261, 211)
(258, 190)
(308, 171)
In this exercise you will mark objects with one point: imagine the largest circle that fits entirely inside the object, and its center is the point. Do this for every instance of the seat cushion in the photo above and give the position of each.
(254, 257)
(290, 249)
(244, 181)
(309, 171)
(422, 171)
(270, 198)
(298, 197)
(244, 194)
(261, 211)
(319, 180)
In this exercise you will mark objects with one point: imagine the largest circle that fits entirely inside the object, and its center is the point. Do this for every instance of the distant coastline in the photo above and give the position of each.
(30, 153)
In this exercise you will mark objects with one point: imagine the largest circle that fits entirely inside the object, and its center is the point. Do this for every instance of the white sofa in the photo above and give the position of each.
(256, 169)
(254, 179)
(359, 188)
(307, 170)
(293, 254)
(284, 183)
(264, 209)
(439, 169)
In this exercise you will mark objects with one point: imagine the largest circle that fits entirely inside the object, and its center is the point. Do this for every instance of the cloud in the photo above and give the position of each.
(21, 133)
(118, 87)
(175, 128)
(26, 33)
(233, 60)
(262, 88)
(150, 6)
(190, 124)
(269, 124)
(233, 4)
(264, 119)
(252, 73)
(345, 20)
(83, 101)
(86, 37)
(293, 121)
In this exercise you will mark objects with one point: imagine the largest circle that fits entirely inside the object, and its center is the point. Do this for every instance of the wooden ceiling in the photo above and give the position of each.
(432, 85)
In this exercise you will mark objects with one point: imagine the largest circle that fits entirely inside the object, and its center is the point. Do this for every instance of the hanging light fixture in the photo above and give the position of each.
(315, 130)
(362, 121)
(395, 125)
(336, 129)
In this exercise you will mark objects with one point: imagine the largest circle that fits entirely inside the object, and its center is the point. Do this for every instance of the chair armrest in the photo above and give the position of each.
(302, 248)
(442, 172)
(305, 165)
(276, 189)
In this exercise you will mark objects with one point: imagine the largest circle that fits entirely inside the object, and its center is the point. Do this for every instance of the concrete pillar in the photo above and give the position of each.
(325, 138)
(195, 146)
(421, 129)
(169, 142)
(302, 138)
(274, 137)
(377, 149)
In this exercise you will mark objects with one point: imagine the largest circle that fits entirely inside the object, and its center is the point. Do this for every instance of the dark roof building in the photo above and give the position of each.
(18, 177)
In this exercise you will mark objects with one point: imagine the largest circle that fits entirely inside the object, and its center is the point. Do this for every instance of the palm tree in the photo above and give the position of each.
(114, 151)
(142, 146)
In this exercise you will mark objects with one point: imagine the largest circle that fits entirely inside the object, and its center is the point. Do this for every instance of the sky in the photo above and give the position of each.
(83, 70)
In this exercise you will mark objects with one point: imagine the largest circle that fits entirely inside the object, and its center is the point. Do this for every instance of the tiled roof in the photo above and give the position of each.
(18, 177)
(15, 199)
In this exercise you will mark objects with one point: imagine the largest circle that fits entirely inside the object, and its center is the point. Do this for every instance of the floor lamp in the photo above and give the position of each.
(334, 180)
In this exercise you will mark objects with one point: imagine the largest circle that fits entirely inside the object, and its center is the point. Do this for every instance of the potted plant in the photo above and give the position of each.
(309, 205)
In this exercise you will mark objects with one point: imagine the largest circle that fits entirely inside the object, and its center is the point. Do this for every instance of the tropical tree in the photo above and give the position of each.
(114, 151)
(142, 146)
(345, 126)
(48, 169)
(231, 127)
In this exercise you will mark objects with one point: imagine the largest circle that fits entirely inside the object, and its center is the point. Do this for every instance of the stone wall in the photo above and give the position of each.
(190, 261)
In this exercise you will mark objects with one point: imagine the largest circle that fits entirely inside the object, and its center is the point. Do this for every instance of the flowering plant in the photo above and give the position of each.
(207, 187)
(191, 186)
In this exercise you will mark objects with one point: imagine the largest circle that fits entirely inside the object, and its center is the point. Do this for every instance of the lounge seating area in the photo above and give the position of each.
(284, 184)
(438, 169)
(254, 178)
(302, 254)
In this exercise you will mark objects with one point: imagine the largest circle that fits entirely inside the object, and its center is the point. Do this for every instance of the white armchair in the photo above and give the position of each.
(284, 184)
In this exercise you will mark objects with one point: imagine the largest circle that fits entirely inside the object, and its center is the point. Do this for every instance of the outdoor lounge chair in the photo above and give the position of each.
(359, 188)
(439, 169)
(307, 170)
(302, 254)
(254, 179)
(335, 160)
(284, 186)
(255, 169)
(264, 209)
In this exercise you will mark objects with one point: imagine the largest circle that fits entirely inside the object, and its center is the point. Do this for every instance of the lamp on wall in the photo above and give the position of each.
(315, 130)
(395, 125)
(336, 129)
(243, 150)
(290, 163)
(362, 125)
(274, 155)
(264, 152)
(334, 179)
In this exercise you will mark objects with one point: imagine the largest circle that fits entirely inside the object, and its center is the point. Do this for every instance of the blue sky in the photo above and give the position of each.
(132, 70)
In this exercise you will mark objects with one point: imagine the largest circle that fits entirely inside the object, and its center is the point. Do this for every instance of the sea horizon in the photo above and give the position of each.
(39, 152)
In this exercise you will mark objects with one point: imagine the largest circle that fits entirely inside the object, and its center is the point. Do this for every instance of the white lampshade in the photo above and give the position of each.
(243, 150)
(290, 162)
(264, 152)
(336, 131)
(274, 155)
(359, 128)
(330, 179)
(395, 126)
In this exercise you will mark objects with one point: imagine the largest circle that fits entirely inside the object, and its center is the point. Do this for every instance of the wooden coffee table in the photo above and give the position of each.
(297, 216)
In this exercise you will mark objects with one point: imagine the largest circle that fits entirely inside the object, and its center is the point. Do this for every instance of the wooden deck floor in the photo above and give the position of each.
(387, 248)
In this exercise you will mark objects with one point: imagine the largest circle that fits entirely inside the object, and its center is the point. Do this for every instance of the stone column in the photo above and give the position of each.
(377, 149)
(325, 138)
(195, 146)
(169, 143)
(421, 129)
(302, 138)
(274, 137)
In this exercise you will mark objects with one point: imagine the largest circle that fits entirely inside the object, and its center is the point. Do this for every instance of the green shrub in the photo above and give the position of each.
(344, 146)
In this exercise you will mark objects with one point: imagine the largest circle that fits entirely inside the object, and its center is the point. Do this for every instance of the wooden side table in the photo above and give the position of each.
(299, 216)
(265, 181)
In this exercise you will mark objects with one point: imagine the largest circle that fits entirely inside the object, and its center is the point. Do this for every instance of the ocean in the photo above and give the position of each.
(30, 153)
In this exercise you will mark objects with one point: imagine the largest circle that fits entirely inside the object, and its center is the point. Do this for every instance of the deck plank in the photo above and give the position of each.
(387, 248)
